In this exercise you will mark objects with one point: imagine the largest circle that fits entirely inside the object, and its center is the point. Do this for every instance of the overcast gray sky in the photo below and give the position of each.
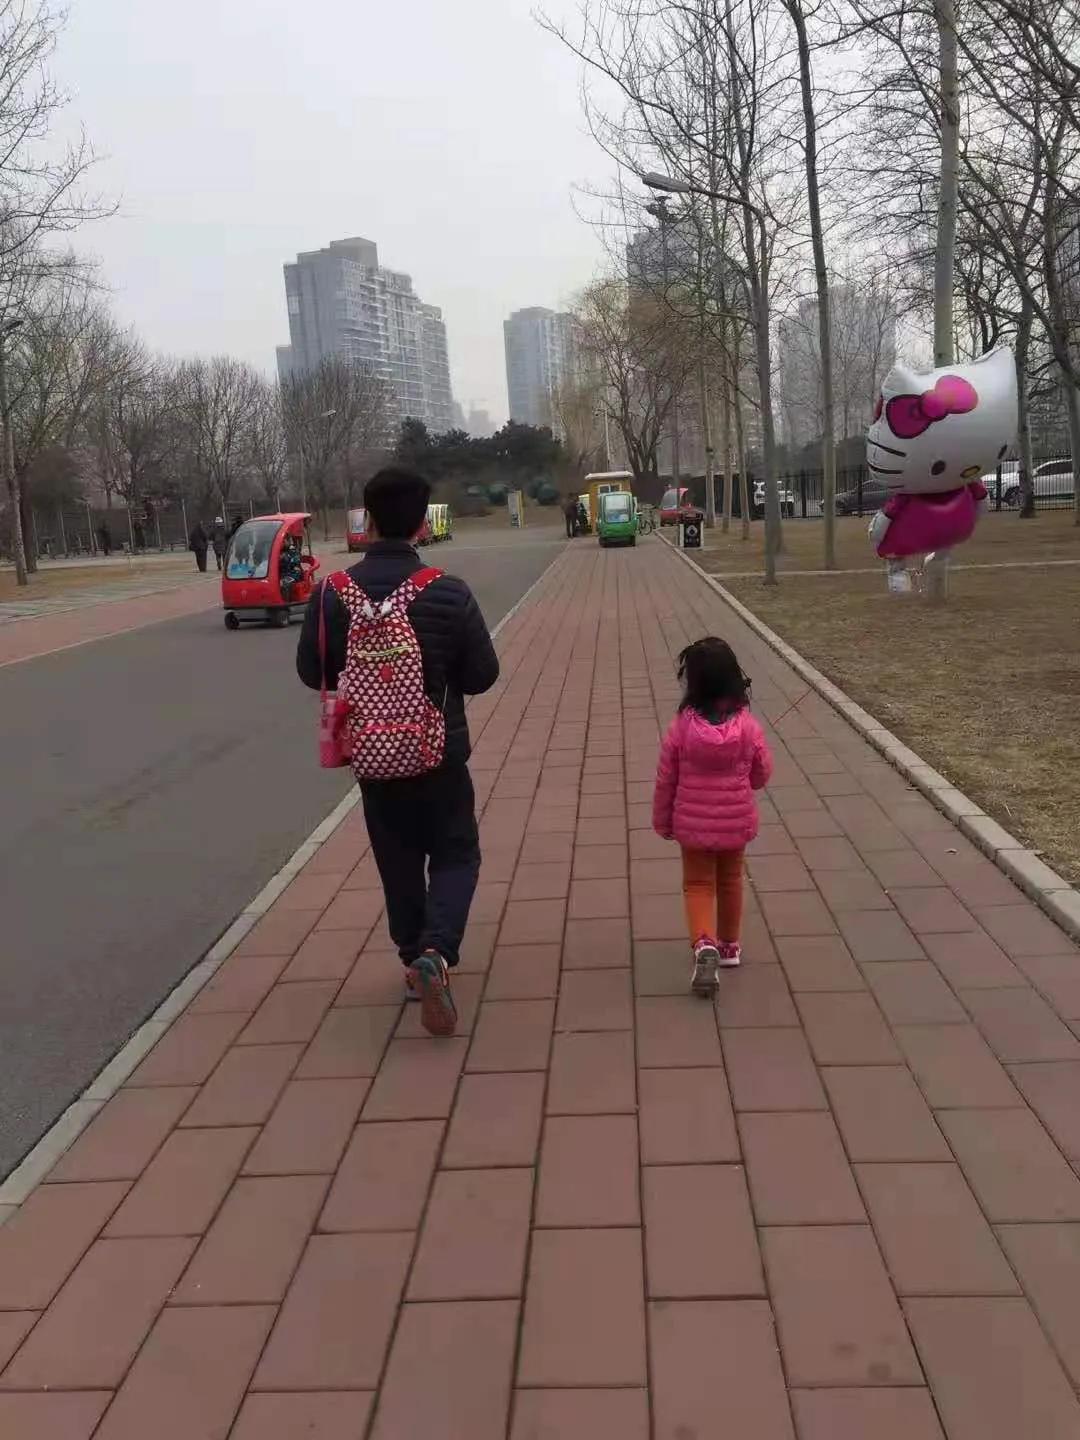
(237, 132)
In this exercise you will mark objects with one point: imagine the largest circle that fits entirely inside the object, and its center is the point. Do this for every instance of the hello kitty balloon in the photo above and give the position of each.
(933, 436)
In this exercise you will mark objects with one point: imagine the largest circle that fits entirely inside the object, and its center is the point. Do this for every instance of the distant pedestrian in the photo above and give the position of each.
(713, 758)
(219, 538)
(235, 525)
(582, 519)
(570, 511)
(199, 542)
(104, 536)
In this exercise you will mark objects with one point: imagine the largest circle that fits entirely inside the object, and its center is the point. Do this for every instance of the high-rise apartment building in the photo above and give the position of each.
(341, 302)
(539, 359)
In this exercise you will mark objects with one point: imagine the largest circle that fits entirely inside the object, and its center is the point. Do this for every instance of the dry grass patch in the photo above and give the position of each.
(985, 689)
(1000, 539)
(52, 582)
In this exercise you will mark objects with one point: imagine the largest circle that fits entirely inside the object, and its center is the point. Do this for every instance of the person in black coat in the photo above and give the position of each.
(219, 539)
(570, 513)
(199, 542)
(429, 819)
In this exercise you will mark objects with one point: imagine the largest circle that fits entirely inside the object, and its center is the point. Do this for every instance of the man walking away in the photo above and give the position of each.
(426, 820)
(199, 542)
(105, 540)
(219, 538)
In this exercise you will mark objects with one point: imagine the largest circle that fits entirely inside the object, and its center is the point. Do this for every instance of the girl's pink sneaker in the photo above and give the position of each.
(729, 956)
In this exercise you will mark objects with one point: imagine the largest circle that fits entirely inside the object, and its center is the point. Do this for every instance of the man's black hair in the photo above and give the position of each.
(397, 501)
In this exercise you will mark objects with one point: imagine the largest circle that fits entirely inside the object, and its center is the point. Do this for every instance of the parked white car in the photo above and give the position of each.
(757, 504)
(1050, 481)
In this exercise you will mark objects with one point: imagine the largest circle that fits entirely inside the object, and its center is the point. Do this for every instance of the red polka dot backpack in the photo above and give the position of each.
(385, 723)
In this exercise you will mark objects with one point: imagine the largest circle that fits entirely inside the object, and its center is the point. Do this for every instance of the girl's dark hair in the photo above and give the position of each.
(712, 677)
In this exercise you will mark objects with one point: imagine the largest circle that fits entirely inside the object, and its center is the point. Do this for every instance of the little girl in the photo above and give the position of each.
(712, 760)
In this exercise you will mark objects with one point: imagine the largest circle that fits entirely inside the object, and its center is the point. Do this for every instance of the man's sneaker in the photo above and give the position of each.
(730, 956)
(706, 959)
(429, 974)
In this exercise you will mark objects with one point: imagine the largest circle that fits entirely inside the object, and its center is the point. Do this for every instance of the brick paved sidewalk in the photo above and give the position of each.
(843, 1206)
(97, 615)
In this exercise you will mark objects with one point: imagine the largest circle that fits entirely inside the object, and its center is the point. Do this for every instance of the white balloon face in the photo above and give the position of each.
(939, 431)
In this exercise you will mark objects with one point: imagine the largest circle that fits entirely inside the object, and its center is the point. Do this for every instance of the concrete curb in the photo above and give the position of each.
(1028, 871)
(63, 1133)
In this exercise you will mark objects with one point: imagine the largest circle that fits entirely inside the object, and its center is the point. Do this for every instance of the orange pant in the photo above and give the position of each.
(713, 893)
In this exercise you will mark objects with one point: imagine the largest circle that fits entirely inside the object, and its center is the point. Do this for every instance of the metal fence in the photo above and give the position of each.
(859, 493)
(80, 529)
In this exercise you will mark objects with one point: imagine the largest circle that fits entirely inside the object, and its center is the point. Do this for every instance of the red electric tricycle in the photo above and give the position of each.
(269, 570)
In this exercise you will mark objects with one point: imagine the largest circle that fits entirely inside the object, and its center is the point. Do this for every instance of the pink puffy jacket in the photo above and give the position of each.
(706, 778)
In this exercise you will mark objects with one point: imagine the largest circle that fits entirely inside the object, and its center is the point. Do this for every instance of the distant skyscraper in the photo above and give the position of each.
(480, 424)
(341, 302)
(539, 359)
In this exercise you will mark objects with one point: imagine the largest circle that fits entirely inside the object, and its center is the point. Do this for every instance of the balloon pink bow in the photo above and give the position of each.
(912, 415)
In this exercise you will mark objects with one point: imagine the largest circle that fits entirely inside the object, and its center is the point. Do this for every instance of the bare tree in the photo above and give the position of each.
(705, 89)
(821, 277)
(48, 365)
(331, 415)
(218, 400)
(578, 409)
(268, 452)
(137, 428)
(40, 196)
(638, 350)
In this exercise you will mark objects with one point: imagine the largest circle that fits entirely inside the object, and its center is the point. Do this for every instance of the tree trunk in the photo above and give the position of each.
(744, 469)
(1059, 329)
(729, 468)
(1074, 445)
(7, 463)
(774, 535)
(29, 525)
(706, 436)
(821, 275)
(945, 252)
(1023, 423)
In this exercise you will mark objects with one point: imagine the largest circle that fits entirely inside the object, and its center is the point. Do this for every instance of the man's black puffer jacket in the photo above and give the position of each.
(459, 658)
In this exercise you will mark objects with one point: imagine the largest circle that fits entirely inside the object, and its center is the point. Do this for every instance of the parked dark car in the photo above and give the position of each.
(868, 497)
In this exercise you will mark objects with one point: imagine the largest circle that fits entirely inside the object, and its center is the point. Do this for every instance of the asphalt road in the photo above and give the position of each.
(151, 783)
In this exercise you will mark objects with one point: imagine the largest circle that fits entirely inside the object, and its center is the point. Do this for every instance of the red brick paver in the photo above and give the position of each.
(842, 1203)
(41, 635)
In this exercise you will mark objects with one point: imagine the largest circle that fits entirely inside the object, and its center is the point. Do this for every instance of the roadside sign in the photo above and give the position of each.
(690, 534)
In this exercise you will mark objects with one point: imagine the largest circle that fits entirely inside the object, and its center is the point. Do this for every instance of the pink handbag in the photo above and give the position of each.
(335, 742)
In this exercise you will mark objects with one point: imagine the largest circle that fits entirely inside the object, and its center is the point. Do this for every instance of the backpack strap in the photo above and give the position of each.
(352, 595)
(412, 586)
(423, 578)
